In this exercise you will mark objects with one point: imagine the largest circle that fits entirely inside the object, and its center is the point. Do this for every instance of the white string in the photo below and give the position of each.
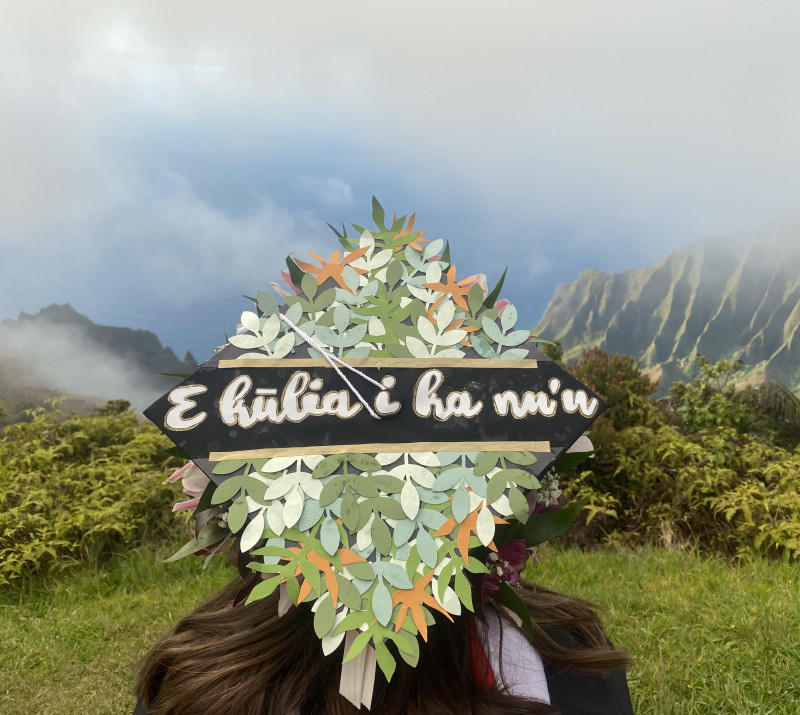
(333, 359)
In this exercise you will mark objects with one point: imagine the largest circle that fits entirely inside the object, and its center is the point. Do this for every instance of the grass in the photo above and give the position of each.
(706, 636)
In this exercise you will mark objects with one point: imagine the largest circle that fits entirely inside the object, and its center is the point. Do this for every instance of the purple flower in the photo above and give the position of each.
(504, 566)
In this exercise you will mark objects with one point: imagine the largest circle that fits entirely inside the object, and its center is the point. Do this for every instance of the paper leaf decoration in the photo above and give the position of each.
(355, 514)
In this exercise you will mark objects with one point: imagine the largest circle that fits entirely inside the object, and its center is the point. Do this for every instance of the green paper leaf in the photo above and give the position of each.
(546, 526)
(228, 466)
(381, 537)
(227, 490)
(384, 658)
(570, 460)
(359, 643)
(205, 499)
(311, 574)
(309, 285)
(351, 513)
(264, 588)
(327, 466)
(482, 347)
(382, 603)
(491, 299)
(523, 459)
(475, 299)
(324, 617)
(394, 272)
(348, 593)
(237, 514)
(446, 255)
(507, 596)
(378, 214)
(293, 588)
(519, 505)
(387, 483)
(295, 272)
(485, 463)
(361, 570)
(363, 462)
(463, 590)
(267, 304)
(410, 656)
(331, 491)
(209, 535)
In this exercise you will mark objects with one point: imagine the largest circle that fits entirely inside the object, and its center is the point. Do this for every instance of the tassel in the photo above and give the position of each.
(358, 675)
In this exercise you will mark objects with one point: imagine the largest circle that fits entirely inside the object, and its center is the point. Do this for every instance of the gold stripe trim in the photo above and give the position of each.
(383, 362)
(375, 447)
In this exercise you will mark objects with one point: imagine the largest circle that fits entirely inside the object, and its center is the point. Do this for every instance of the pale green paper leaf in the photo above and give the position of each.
(246, 342)
(295, 313)
(428, 459)
(410, 500)
(294, 507)
(252, 533)
(451, 337)
(278, 464)
(396, 575)
(267, 303)
(426, 331)
(509, 317)
(460, 504)
(516, 337)
(382, 603)
(426, 548)
(485, 526)
(284, 346)
(450, 353)
(350, 277)
(280, 486)
(445, 314)
(275, 517)
(271, 328)
(482, 347)
(491, 330)
(416, 347)
(514, 354)
(250, 321)
(341, 317)
(434, 248)
(329, 536)
(402, 531)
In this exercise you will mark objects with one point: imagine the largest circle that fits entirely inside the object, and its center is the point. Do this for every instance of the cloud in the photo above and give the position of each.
(170, 150)
(62, 359)
(332, 191)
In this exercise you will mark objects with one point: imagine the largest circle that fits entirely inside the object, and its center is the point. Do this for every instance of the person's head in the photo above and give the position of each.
(248, 660)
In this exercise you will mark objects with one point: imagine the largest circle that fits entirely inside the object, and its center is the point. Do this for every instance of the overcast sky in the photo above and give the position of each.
(159, 158)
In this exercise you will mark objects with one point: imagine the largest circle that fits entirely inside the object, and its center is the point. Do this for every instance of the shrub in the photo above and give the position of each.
(692, 473)
(79, 488)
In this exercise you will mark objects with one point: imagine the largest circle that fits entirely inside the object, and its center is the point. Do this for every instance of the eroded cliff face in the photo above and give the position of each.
(736, 297)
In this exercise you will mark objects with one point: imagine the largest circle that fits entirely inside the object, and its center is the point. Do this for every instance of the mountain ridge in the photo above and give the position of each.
(722, 297)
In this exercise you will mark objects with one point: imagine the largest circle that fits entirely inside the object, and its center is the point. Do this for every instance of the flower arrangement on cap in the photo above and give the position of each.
(380, 451)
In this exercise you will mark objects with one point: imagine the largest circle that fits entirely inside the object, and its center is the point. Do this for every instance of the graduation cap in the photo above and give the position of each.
(369, 438)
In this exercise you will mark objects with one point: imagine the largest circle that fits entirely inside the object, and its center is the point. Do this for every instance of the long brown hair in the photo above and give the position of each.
(246, 660)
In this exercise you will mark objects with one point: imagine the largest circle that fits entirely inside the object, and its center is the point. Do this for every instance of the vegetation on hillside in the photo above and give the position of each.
(79, 488)
(708, 466)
